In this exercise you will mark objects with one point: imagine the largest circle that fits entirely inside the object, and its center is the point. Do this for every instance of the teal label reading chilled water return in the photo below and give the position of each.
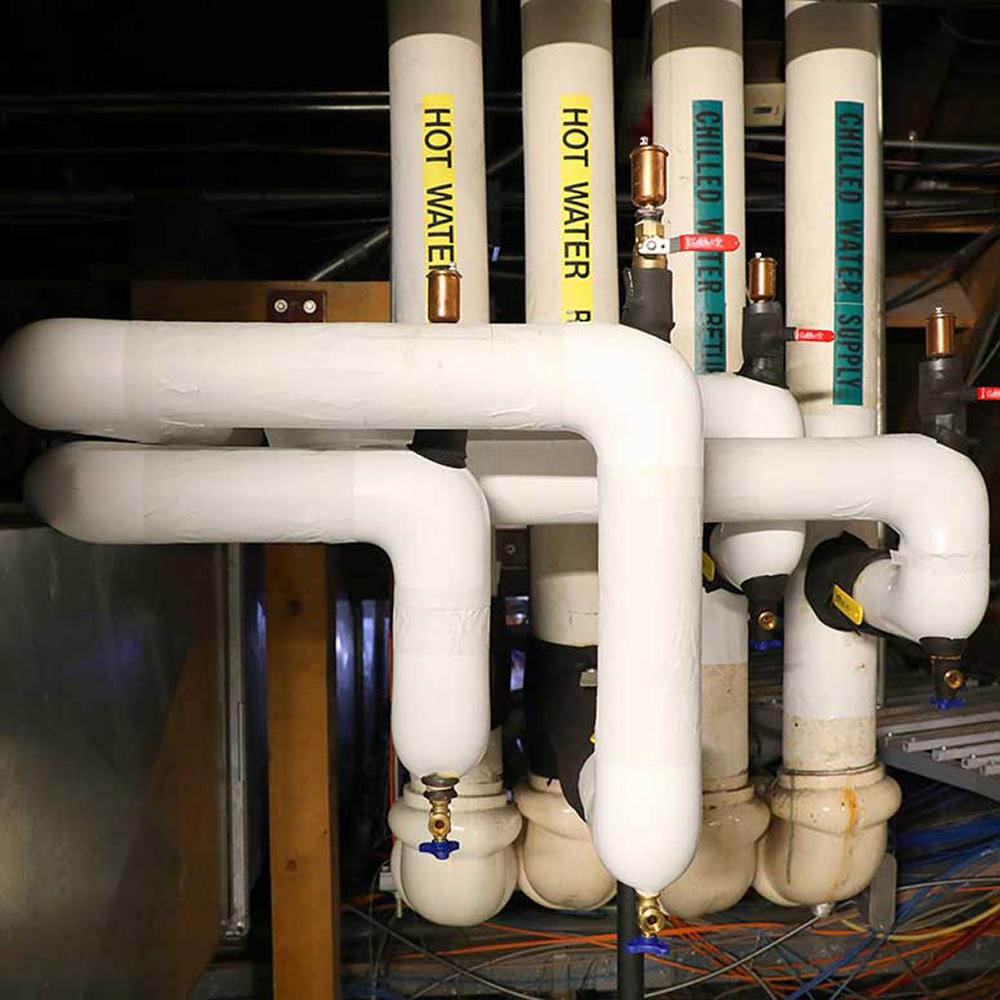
(709, 217)
(849, 262)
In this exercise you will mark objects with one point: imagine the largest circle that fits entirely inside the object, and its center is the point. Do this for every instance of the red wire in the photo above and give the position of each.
(939, 958)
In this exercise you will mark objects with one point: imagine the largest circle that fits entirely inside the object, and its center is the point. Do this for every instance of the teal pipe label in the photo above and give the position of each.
(849, 260)
(709, 217)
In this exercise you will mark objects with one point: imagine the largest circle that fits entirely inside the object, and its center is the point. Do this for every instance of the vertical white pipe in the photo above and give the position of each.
(571, 264)
(698, 117)
(833, 198)
(438, 153)
(833, 212)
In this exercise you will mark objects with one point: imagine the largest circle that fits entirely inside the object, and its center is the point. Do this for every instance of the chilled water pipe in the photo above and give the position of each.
(631, 395)
(571, 276)
(833, 256)
(698, 116)
(931, 495)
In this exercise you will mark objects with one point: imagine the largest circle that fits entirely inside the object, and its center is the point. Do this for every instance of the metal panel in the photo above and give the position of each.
(110, 877)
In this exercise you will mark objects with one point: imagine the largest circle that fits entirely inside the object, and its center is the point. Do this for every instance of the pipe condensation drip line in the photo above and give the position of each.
(631, 395)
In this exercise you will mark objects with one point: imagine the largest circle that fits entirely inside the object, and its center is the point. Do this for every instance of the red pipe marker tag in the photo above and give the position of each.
(706, 242)
(809, 335)
(988, 393)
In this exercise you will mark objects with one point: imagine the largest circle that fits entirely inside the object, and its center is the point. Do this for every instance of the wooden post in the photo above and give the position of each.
(305, 882)
(302, 777)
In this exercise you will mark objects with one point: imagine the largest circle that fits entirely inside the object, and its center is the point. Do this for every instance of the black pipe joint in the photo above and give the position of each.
(764, 339)
(766, 595)
(649, 301)
(942, 399)
(837, 563)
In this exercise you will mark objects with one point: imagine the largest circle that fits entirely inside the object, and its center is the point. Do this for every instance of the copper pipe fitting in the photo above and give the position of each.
(762, 279)
(940, 334)
(649, 174)
(444, 294)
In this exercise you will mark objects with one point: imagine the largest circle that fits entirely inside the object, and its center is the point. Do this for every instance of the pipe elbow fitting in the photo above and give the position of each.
(477, 880)
(557, 866)
(733, 821)
(827, 835)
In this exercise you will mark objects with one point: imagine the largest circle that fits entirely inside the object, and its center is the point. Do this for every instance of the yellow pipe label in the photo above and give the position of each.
(439, 180)
(847, 606)
(707, 567)
(574, 148)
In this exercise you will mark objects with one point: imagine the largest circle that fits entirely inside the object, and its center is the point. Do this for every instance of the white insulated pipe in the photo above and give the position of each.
(632, 396)
(833, 268)
(698, 117)
(935, 584)
(571, 261)
(431, 520)
(833, 212)
(438, 153)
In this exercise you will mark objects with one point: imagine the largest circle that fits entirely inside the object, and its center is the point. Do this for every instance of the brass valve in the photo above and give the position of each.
(444, 294)
(650, 916)
(762, 279)
(649, 174)
(940, 327)
(439, 792)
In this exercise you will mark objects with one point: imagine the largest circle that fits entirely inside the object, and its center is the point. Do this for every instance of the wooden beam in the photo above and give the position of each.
(304, 866)
(952, 297)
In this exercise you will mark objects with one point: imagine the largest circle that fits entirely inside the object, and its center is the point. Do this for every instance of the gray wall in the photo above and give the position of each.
(110, 827)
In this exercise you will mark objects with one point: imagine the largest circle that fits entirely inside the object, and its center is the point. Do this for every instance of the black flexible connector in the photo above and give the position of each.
(764, 339)
(942, 397)
(838, 562)
(766, 595)
(444, 447)
(649, 301)
(560, 706)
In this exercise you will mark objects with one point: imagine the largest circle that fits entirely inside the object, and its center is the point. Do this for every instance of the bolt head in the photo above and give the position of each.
(954, 679)
(309, 306)
(280, 305)
(767, 620)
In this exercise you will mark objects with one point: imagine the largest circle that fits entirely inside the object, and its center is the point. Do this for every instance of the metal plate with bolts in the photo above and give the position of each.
(295, 305)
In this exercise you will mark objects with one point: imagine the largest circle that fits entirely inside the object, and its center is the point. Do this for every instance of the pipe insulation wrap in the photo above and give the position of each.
(432, 521)
(698, 116)
(438, 153)
(631, 395)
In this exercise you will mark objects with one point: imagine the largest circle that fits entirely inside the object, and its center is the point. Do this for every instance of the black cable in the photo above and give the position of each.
(447, 962)
(945, 271)
(968, 39)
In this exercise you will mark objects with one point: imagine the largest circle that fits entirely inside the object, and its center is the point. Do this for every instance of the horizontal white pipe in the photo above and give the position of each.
(937, 581)
(438, 153)
(431, 520)
(631, 395)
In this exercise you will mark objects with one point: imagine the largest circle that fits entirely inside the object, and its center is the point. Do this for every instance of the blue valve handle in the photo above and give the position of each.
(644, 945)
(945, 703)
(441, 849)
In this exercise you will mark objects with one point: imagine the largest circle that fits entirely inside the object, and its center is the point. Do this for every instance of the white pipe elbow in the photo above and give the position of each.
(431, 520)
(631, 395)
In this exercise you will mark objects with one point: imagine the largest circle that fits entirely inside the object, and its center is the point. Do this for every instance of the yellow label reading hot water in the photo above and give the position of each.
(847, 605)
(574, 154)
(439, 180)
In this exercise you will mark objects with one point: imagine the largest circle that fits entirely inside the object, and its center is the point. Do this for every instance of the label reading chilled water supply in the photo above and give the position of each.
(575, 192)
(439, 180)
(709, 217)
(849, 257)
